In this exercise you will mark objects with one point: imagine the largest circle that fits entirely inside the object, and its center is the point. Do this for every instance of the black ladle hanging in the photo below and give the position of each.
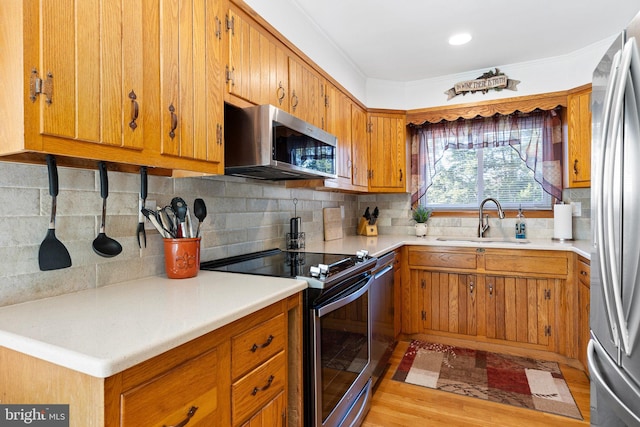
(103, 245)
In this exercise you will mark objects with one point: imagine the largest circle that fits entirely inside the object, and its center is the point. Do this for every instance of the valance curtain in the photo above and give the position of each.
(536, 136)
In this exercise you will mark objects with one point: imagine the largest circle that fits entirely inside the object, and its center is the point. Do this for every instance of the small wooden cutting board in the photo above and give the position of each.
(332, 218)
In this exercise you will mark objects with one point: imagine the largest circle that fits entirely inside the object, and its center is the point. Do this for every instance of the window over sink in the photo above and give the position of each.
(515, 158)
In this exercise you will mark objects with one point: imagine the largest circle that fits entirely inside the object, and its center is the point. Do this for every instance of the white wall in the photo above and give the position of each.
(546, 75)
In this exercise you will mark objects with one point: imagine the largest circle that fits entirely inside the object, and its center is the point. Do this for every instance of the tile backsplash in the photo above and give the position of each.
(243, 216)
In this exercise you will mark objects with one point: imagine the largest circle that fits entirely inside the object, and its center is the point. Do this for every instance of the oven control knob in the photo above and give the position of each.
(324, 269)
(314, 271)
(362, 254)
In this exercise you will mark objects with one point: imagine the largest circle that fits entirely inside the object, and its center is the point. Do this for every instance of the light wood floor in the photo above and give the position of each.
(401, 404)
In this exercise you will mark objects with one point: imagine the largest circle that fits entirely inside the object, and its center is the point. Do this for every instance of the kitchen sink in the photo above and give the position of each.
(482, 239)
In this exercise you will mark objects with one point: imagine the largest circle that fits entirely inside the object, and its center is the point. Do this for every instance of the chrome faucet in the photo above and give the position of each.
(483, 225)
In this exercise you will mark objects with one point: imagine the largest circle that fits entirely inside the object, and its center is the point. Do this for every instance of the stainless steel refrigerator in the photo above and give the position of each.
(614, 349)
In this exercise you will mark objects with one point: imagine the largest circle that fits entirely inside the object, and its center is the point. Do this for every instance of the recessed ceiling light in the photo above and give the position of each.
(459, 39)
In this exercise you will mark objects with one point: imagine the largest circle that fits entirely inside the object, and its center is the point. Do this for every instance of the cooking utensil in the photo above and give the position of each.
(180, 209)
(103, 245)
(143, 199)
(53, 255)
(155, 218)
(200, 211)
(166, 221)
(188, 223)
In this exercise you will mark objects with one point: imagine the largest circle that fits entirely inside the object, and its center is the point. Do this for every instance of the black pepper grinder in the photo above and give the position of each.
(295, 224)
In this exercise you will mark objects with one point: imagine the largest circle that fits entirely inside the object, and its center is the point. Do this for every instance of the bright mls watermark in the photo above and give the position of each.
(34, 415)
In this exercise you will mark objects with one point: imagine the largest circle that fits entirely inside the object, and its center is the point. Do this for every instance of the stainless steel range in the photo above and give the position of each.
(337, 327)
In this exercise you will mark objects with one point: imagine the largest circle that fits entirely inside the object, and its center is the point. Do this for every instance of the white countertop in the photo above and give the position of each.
(103, 331)
(379, 245)
(106, 330)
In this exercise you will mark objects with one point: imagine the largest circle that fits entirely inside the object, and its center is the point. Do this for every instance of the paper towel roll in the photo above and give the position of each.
(562, 222)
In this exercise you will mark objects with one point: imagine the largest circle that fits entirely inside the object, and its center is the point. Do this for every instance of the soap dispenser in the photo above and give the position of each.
(521, 225)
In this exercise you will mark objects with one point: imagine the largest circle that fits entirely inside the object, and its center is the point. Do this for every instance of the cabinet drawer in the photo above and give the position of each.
(249, 349)
(167, 398)
(439, 258)
(253, 391)
(543, 265)
(583, 270)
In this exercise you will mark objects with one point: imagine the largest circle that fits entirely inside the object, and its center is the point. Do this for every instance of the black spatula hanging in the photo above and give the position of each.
(53, 255)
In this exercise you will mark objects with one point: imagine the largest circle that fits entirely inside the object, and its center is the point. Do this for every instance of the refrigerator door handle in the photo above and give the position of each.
(602, 181)
(592, 348)
(631, 247)
(614, 218)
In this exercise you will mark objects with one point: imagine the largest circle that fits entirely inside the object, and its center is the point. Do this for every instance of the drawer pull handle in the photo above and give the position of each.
(255, 347)
(257, 389)
(584, 273)
(184, 422)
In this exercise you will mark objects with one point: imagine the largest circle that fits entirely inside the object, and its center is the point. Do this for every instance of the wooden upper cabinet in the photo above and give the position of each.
(338, 123)
(306, 93)
(359, 147)
(90, 60)
(387, 152)
(579, 138)
(257, 69)
(76, 68)
(191, 105)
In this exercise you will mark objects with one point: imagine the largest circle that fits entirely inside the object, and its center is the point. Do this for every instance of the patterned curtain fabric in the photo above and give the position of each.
(536, 136)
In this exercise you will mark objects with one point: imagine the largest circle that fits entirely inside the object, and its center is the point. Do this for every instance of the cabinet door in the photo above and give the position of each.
(271, 415)
(170, 398)
(387, 162)
(306, 96)
(338, 123)
(519, 309)
(579, 134)
(583, 270)
(191, 79)
(359, 147)
(257, 70)
(448, 301)
(90, 61)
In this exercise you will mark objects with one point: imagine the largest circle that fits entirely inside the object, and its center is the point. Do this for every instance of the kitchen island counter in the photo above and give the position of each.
(103, 331)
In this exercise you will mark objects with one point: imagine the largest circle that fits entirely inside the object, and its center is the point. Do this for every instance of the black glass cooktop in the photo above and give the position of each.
(275, 262)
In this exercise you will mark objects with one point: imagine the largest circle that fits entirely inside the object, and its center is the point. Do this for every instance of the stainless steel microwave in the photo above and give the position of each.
(267, 143)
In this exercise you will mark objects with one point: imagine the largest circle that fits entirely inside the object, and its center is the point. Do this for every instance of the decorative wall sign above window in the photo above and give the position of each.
(495, 80)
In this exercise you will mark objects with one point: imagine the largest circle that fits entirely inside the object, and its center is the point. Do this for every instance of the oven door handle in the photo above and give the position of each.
(334, 305)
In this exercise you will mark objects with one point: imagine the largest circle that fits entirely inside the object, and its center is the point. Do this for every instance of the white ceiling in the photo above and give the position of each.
(407, 40)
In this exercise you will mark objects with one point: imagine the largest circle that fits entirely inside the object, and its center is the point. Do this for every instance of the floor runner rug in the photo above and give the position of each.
(502, 378)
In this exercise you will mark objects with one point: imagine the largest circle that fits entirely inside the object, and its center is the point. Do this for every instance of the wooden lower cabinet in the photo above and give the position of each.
(465, 293)
(240, 374)
(519, 309)
(187, 392)
(444, 302)
(583, 272)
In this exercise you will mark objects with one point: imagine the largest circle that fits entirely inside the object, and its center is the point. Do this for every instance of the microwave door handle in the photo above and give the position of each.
(602, 183)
